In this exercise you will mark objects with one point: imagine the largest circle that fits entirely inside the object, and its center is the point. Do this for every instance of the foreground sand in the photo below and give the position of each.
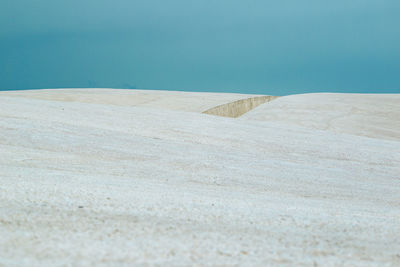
(98, 177)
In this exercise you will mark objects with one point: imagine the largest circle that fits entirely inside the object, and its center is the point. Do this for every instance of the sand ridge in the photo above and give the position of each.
(171, 100)
(105, 184)
(371, 115)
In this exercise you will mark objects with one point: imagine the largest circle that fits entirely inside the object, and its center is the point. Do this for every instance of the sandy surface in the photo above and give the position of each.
(157, 99)
(104, 184)
(372, 115)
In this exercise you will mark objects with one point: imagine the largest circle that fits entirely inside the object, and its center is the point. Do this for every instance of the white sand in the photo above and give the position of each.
(96, 183)
(372, 115)
(158, 99)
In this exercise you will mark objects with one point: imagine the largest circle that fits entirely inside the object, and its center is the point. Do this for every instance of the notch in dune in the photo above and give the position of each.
(239, 107)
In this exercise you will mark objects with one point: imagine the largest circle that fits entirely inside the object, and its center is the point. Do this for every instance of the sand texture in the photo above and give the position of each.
(299, 181)
(158, 99)
(239, 107)
(372, 115)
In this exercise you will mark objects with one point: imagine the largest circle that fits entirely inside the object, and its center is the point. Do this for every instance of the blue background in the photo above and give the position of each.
(253, 46)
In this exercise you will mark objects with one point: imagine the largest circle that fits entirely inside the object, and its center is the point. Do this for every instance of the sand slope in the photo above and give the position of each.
(172, 100)
(371, 115)
(239, 107)
(105, 184)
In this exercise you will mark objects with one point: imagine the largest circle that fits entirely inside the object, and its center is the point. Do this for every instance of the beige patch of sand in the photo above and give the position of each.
(238, 107)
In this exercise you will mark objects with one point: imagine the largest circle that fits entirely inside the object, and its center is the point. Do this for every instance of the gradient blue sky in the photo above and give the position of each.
(254, 46)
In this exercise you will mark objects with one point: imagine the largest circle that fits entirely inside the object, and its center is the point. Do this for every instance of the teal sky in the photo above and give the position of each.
(254, 46)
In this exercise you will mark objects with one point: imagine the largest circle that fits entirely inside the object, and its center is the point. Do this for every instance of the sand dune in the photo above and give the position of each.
(372, 115)
(101, 182)
(172, 100)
